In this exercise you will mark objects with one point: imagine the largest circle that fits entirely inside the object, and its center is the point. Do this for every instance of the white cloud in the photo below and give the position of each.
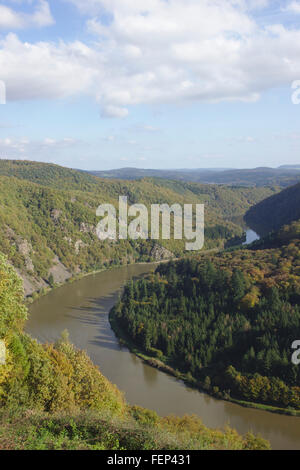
(49, 141)
(112, 111)
(45, 70)
(157, 51)
(24, 148)
(293, 7)
(12, 19)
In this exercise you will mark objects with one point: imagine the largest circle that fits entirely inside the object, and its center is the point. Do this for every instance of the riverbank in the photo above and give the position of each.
(77, 277)
(125, 340)
(46, 290)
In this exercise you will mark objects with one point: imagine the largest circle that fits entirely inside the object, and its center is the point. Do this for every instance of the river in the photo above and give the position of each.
(82, 308)
(251, 236)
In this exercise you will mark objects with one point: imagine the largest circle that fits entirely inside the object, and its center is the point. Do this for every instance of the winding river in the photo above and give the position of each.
(82, 308)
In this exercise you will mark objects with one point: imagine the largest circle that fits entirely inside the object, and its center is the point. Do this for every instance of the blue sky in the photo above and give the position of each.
(100, 84)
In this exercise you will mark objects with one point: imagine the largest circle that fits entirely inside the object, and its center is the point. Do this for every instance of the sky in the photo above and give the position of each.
(104, 84)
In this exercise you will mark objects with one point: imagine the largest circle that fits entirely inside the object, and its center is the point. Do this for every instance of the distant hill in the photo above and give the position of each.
(290, 167)
(276, 211)
(284, 176)
(48, 219)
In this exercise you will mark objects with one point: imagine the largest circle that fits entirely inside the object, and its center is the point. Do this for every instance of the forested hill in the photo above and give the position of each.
(48, 174)
(276, 211)
(248, 177)
(244, 308)
(48, 219)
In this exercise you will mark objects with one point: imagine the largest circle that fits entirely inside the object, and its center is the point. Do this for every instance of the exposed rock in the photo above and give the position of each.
(59, 271)
(30, 283)
(79, 244)
(24, 247)
(29, 264)
(69, 240)
(55, 214)
(10, 233)
(159, 253)
(87, 228)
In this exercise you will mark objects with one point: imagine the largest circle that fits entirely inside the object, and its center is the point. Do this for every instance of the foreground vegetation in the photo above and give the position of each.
(140, 429)
(53, 397)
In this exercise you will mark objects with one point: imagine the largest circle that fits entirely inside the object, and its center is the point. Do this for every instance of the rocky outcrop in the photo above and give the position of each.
(69, 240)
(87, 228)
(30, 283)
(78, 245)
(55, 215)
(59, 271)
(159, 253)
(25, 248)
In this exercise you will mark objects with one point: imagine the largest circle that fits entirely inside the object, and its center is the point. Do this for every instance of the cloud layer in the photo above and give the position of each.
(12, 19)
(156, 51)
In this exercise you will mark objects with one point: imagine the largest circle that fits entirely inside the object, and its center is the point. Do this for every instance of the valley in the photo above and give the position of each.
(82, 308)
(235, 293)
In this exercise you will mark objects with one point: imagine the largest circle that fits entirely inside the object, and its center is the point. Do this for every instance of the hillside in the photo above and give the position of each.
(244, 308)
(53, 397)
(48, 219)
(274, 212)
(283, 176)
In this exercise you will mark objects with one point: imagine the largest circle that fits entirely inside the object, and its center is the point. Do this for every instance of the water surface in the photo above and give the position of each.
(251, 236)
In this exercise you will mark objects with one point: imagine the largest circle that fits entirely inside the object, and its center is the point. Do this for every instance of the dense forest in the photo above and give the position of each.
(228, 321)
(53, 397)
(48, 219)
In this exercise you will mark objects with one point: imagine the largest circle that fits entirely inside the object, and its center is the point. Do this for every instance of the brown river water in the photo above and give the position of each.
(82, 308)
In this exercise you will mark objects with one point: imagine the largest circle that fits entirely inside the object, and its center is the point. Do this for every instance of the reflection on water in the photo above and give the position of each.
(82, 308)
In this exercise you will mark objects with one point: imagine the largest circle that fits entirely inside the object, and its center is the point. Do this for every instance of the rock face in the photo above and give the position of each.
(87, 228)
(159, 253)
(59, 271)
(79, 244)
(55, 215)
(30, 283)
(69, 240)
(25, 249)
